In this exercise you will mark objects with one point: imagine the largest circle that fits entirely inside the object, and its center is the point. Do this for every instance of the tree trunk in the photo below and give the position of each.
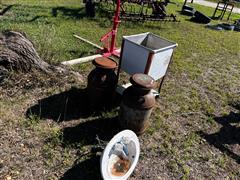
(18, 53)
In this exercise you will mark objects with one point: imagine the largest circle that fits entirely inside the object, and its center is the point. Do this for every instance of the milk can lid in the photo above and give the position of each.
(105, 63)
(143, 80)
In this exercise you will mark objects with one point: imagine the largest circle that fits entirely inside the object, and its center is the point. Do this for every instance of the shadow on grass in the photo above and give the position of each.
(191, 19)
(229, 134)
(86, 133)
(216, 17)
(76, 13)
(36, 18)
(68, 105)
(6, 9)
(78, 53)
(87, 170)
(35, 12)
(72, 104)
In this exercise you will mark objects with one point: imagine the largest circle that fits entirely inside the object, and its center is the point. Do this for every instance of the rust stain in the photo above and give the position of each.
(121, 167)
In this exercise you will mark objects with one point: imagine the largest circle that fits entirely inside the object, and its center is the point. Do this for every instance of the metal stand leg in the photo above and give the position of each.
(160, 85)
(215, 10)
(224, 11)
(230, 12)
(120, 62)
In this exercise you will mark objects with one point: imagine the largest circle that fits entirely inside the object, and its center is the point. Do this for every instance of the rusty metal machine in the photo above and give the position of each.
(141, 10)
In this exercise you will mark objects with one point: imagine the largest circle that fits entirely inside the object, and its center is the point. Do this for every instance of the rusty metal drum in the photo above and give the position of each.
(101, 83)
(137, 103)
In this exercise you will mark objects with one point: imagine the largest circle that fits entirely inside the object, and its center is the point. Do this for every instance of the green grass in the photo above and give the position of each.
(53, 35)
(203, 79)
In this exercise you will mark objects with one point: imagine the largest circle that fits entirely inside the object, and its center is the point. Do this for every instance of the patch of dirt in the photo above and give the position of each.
(48, 132)
(56, 139)
(17, 83)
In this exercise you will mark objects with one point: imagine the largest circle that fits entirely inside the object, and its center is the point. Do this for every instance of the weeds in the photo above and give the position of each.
(32, 120)
(55, 136)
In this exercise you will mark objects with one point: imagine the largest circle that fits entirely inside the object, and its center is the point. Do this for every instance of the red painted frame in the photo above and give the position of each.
(113, 33)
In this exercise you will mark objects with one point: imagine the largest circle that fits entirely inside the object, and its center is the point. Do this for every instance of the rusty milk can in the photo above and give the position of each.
(101, 83)
(137, 103)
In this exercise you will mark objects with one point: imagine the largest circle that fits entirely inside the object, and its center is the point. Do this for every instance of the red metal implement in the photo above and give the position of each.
(110, 48)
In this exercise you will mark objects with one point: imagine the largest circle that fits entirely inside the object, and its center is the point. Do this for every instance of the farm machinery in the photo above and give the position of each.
(140, 10)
